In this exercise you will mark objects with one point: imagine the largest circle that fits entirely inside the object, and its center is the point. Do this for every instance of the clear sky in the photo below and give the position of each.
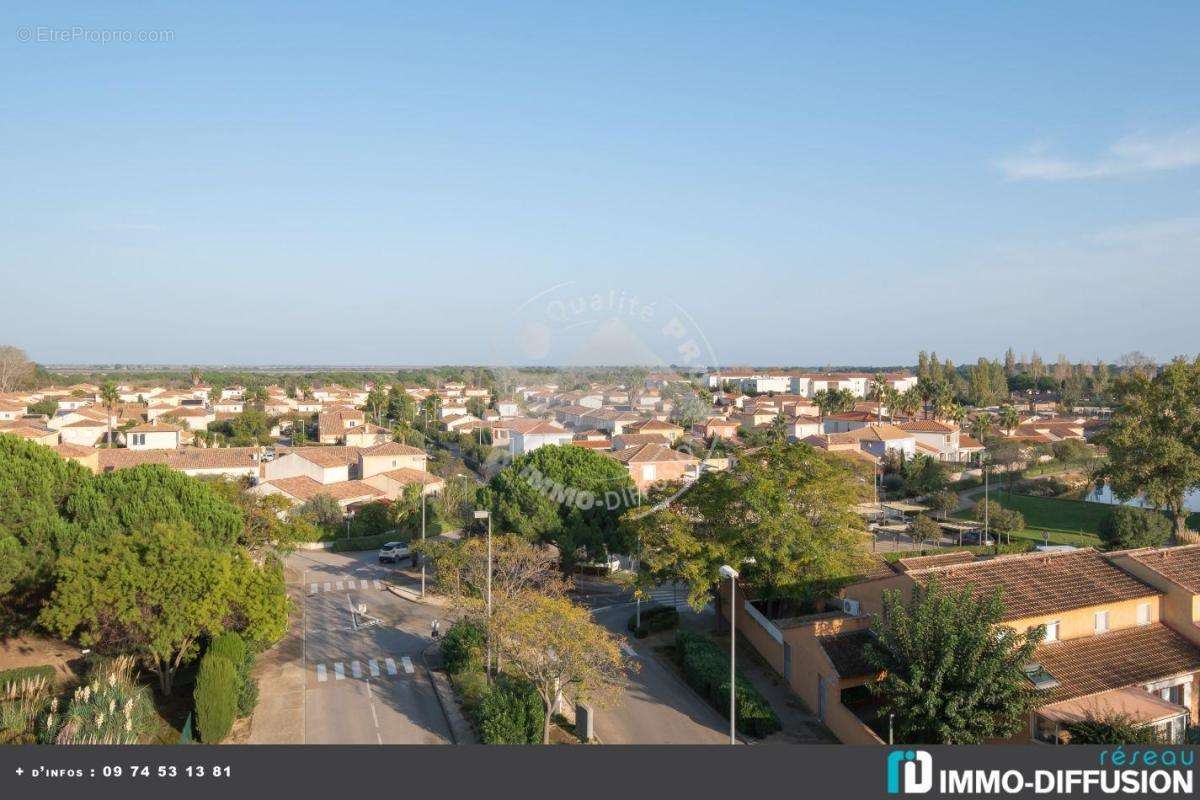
(390, 182)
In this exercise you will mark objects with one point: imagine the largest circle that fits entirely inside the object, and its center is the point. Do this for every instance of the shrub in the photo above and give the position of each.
(9, 677)
(510, 713)
(110, 709)
(1129, 527)
(654, 620)
(463, 646)
(232, 646)
(706, 669)
(924, 529)
(216, 698)
(371, 520)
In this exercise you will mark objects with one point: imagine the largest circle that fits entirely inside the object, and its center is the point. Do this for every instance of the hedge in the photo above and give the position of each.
(366, 542)
(216, 698)
(655, 619)
(11, 676)
(232, 646)
(706, 669)
(462, 646)
(511, 712)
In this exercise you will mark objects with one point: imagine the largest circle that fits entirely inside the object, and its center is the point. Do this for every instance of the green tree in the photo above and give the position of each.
(924, 474)
(555, 645)
(1128, 527)
(951, 672)
(1002, 522)
(135, 499)
(1010, 418)
(1153, 440)
(1111, 729)
(568, 496)
(833, 401)
(982, 425)
(109, 397)
(785, 513)
(216, 698)
(924, 529)
(321, 509)
(153, 594)
(943, 502)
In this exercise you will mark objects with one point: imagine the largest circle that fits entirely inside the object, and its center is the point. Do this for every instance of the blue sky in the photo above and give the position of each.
(390, 182)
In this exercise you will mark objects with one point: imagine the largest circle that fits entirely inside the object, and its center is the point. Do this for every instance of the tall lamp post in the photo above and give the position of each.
(484, 514)
(422, 539)
(727, 571)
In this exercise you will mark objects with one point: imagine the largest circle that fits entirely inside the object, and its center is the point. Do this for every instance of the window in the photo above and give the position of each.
(1101, 622)
(1143, 614)
(1051, 631)
(649, 472)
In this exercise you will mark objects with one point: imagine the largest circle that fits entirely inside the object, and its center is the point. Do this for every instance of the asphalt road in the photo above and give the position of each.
(656, 706)
(364, 681)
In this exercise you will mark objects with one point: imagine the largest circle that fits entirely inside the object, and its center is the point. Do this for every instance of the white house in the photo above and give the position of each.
(153, 436)
(527, 438)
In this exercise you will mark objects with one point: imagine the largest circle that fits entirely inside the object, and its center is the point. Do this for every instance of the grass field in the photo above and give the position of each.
(1074, 522)
(1071, 522)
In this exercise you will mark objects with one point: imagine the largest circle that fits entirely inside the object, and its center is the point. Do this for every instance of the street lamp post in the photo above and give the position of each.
(422, 539)
(483, 514)
(727, 571)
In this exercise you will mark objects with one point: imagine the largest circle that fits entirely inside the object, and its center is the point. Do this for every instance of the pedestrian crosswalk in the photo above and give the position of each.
(664, 595)
(346, 585)
(357, 668)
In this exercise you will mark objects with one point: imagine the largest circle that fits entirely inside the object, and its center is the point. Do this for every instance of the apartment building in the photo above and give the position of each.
(1121, 636)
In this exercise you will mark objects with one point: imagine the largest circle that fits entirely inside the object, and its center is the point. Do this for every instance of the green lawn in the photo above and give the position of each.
(1071, 522)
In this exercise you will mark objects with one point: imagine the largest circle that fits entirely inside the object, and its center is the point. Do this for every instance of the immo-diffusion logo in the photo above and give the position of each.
(909, 772)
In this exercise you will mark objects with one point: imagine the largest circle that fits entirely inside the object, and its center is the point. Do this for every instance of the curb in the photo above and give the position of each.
(460, 729)
(741, 737)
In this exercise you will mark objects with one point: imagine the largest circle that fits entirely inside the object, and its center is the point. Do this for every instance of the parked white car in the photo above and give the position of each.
(393, 552)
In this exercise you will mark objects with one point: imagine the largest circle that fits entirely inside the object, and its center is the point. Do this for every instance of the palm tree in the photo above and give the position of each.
(982, 425)
(957, 414)
(195, 376)
(1010, 418)
(909, 401)
(891, 399)
(110, 397)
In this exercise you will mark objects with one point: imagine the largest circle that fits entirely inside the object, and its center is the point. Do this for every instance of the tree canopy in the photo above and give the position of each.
(785, 513)
(1153, 440)
(951, 673)
(568, 496)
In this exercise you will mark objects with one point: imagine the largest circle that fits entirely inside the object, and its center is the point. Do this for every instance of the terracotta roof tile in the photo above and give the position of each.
(1115, 660)
(1042, 583)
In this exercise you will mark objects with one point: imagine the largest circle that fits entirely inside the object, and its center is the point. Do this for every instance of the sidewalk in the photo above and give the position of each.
(279, 716)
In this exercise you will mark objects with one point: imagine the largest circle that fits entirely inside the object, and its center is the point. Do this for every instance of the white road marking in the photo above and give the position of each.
(356, 669)
(390, 665)
(339, 586)
(407, 662)
(374, 716)
(327, 586)
(321, 675)
(339, 672)
(378, 585)
(353, 613)
(373, 665)
(312, 589)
